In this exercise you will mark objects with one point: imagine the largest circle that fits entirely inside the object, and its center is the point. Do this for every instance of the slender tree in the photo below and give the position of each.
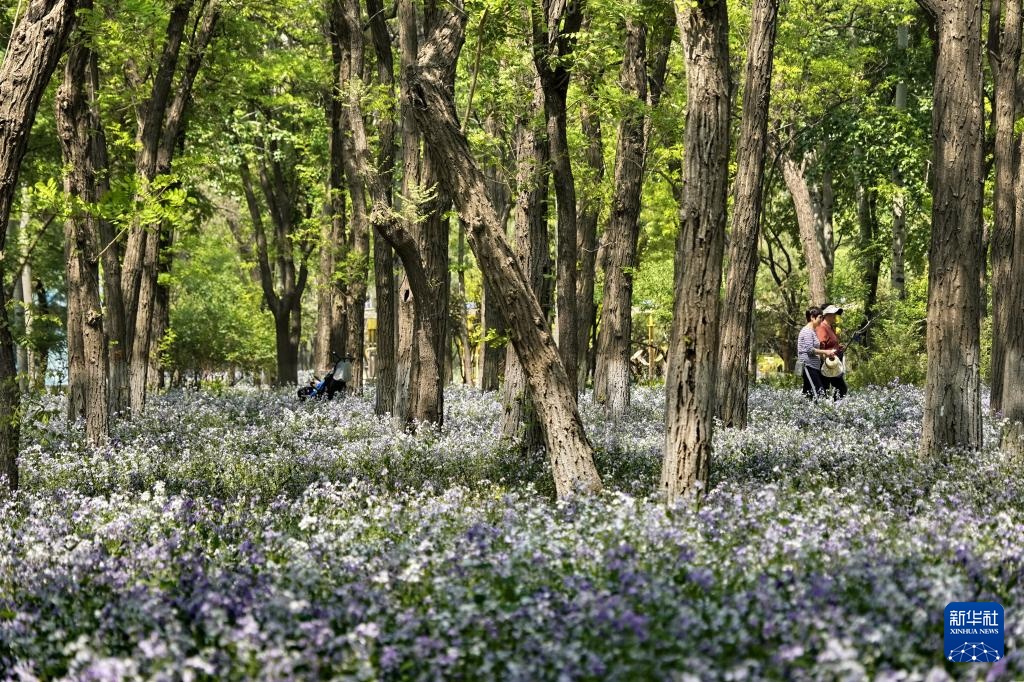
(693, 350)
(36, 44)
(746, 217)
(611, 375)
(383, 254)
(952, 402)
(555, 25)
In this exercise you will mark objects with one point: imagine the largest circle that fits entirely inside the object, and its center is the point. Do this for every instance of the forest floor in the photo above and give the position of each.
(247, 536)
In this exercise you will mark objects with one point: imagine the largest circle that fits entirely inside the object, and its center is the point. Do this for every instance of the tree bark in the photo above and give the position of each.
(383, 255)
(738, 314)
(432, 103)
(586, 231)
(813, 222)
(1013, 364)
(952, 403)
(1004, 57)
(531, 227)
(554, 35)
(693, 352)
(899, 213)
(35, 46)
(870, 257)
(611, 378)
(87, 358)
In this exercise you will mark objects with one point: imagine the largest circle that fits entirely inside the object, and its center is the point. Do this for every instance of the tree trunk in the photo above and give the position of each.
(620, 242)
(554, 397)
(899, 213)
(1004, 57)
(870, 257)
(693, 352)
(404, 354)
(490, 318)
(811, 220)
(1013, 365)
(586, 232)
(34, 47)
(383, 255)
(531, 226)
(952, 403)
(334, 238)
(87, 362)
(23, 295)
(553, 36)
(738, 315)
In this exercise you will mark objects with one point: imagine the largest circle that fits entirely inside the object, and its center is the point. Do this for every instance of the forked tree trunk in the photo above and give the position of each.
(35, 46)
(76, 126)
(1004, 57)
(738, 314)
(952, 401)
(161, 118)
(693, 351)
(569, 450)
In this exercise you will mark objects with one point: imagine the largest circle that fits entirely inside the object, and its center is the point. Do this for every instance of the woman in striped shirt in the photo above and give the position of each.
(808, 350)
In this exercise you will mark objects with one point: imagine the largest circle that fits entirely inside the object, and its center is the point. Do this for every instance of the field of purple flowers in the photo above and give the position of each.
(245, 536)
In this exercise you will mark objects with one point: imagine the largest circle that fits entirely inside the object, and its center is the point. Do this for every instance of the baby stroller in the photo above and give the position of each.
(334, 382)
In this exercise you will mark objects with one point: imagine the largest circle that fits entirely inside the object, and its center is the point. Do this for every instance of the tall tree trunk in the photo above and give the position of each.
(554, 34)
(738, 315)
(1013, 364)
(952, 402)
(491, 321)
(899, 213)
(87, 356)
(586, 231)
(383, 255)
(35, 45)
(813, 226)
(334, 238)
(531, 226)
(1004, 58)
(23, 295)
(611, 378)
(693, 351)
(870, 257)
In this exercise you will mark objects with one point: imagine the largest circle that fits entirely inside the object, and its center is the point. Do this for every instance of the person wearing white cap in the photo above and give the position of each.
(829, 340)
(810, 354)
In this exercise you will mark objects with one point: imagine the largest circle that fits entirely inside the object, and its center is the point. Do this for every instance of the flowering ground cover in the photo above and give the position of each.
(247, 537)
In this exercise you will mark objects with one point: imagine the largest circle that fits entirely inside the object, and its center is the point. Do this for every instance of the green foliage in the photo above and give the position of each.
(217, 318)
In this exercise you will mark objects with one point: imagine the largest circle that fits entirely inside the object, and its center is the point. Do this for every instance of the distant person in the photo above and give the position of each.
(809, 352)
(830, 341)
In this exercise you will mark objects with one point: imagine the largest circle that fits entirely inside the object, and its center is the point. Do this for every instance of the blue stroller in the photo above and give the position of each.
(333, 383)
